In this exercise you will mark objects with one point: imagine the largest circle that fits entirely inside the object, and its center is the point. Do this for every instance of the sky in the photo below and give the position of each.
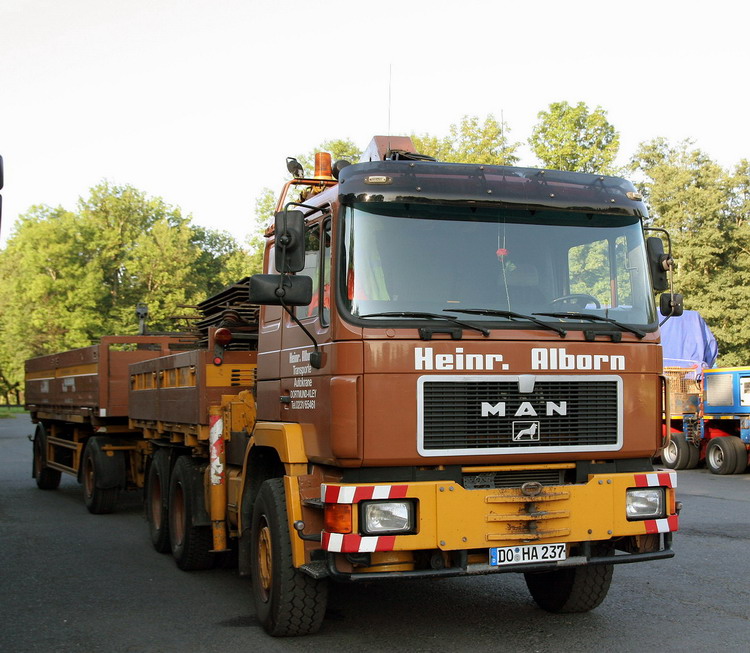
(200, 102)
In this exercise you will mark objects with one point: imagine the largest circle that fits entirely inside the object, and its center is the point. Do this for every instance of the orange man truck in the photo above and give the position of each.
(455, 370)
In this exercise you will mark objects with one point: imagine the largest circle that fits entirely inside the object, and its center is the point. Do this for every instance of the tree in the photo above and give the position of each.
(574, 138)
(68, 278)
(471, 142)
(705, 210)
(265, 206)
(221, 260)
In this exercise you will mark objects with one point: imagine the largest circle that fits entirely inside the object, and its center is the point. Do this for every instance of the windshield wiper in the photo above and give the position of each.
(596, 318)
(510, 315)
(430, 316)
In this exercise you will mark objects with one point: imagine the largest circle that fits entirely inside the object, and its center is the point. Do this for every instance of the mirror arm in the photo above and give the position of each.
(667, 263)
(316, 358)
(325, 210)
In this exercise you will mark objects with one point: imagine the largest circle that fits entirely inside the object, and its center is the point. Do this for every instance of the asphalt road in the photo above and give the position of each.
(72, 581)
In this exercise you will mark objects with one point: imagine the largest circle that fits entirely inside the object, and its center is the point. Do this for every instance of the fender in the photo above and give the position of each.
(283, 439)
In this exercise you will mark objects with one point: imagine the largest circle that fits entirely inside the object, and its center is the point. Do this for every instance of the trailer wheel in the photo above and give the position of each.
(695, 456)
(287, 601)
(578, 589)
(740, 451)
(157, 500)
(679, 453)
(46, 478)
(721, 455)
(191, 545)
(98, 500)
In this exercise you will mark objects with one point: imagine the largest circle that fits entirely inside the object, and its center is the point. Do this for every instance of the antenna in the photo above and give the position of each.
(502, 137)
(390, 77)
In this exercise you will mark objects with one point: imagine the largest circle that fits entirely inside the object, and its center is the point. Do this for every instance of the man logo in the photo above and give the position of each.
(526, 432)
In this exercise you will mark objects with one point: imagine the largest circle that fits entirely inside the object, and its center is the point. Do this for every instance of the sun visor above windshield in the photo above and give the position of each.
(444, 183)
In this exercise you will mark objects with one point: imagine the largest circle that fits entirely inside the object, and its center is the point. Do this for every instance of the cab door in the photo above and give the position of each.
(304, 396)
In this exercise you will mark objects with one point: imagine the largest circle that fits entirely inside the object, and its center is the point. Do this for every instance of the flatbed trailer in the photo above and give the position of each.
(78, 400)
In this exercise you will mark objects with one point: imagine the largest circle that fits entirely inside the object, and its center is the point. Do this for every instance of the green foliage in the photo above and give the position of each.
(471, 142)
(574, 138)
(68, 278)
(265, 206)
(705, 209)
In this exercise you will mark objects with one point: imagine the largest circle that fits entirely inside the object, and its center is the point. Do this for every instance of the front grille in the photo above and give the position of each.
(498, 480)
(451, 416)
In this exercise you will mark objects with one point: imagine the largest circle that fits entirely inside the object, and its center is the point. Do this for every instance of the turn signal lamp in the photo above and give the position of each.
(338, 518)
(223, 337)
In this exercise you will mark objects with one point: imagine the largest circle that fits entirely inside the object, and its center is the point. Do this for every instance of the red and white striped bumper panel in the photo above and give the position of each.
(659, 479)
(656, 479)
(351, 494)
(357, 493)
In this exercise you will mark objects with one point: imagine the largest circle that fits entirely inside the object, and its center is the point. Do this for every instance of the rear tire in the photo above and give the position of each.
(288, 602)
(721, 455)
(578, 589)
(157, 500)
(191, 545)
(46, 478)
(99, 501)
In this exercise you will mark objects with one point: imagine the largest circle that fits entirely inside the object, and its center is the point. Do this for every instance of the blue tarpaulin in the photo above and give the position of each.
(688, 342)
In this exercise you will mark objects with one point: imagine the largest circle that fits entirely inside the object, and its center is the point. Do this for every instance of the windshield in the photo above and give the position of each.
(428, 258)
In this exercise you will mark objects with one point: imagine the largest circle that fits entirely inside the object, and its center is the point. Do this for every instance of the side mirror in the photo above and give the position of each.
(671, 305)
(289, 234)
(658, 262)
(280, 290)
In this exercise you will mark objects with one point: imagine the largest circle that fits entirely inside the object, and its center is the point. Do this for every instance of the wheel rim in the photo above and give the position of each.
(716, 457)
(265, 560)
(670, 452)
(178, 515)
(88, 476)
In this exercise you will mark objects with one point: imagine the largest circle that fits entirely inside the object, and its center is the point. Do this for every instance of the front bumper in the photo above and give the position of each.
(462, 525)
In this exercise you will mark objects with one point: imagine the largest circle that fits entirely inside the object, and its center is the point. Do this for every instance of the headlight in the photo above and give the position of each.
(645, 503)
(381, 517)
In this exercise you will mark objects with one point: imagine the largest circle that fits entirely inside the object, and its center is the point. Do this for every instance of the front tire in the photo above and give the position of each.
(191, 544)
(287, 601)
(578, 589)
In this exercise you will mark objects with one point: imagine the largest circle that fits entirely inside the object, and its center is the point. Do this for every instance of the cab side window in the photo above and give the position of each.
(326, 317)
(311, 269)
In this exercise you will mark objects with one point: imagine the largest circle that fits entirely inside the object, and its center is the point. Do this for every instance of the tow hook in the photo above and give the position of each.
(299, 526)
